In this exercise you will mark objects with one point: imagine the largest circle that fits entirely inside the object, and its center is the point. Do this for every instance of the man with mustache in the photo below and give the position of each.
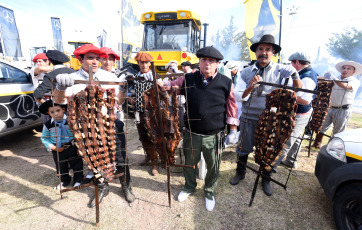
(253, 105)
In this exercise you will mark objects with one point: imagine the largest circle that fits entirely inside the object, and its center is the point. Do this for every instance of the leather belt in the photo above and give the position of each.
(341, 107)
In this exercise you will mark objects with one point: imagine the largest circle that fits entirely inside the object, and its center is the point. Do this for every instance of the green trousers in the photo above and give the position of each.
(192, 150)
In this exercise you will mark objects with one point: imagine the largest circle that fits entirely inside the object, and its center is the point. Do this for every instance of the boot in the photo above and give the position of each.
(128, 194)
(240, 173)
(103, 190)
(318, 141)
(267, 188)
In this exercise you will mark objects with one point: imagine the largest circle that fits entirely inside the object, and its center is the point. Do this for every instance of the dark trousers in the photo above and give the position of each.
(69, 156)
(121, 159)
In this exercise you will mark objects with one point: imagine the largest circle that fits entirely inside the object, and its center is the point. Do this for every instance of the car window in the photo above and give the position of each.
(10, 74)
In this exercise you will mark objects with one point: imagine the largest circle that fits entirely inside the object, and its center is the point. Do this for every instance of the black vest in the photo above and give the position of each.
(308, 72)
(206, 105)
(46, 85)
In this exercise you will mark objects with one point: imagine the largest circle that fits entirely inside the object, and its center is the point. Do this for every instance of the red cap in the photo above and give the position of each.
(143, 57)
(40, 56)
(109, 51)
(89, 48)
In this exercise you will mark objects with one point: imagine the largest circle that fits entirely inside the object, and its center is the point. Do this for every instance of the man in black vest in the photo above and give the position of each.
(210, 105)
(57, 58)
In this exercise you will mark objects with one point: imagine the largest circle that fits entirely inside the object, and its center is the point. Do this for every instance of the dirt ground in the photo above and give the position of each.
(28, 200)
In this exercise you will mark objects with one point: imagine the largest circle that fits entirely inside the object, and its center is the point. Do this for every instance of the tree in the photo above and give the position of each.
(346, 45)
(242, 42)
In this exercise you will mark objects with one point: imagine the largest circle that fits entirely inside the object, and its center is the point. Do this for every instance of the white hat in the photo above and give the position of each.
(168, 64)
(231, 65)
(356, 65)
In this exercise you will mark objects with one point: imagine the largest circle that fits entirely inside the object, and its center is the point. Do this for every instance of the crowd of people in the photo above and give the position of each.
(211, 100)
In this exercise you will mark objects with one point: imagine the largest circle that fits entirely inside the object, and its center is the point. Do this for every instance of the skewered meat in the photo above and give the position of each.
(170, 123)
(321, 105)
(274, 127)
(91, 120)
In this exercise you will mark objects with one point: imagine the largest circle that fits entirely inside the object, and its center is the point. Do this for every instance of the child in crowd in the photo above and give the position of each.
(65, 145)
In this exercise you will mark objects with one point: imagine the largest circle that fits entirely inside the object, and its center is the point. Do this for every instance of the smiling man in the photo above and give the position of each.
(262, 70)
(342, 98)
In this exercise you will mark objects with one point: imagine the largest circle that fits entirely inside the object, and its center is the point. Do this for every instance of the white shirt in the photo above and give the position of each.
(342, 96)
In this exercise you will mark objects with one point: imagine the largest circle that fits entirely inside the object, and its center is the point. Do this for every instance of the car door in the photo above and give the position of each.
(18, 109)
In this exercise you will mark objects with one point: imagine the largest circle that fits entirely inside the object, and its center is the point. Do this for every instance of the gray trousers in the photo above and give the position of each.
(246, 136)
(292, 147)
(337, 117)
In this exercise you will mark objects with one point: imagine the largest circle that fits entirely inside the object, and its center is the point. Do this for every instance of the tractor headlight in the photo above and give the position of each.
(335, 148)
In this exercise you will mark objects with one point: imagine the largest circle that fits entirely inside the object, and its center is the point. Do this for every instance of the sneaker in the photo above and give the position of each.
(63, 184)
(76, 184)
(210, 204)
(183, 196)
(154, 170)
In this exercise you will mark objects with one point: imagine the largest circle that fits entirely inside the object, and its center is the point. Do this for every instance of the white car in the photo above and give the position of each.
(339, 171)
(18, 109)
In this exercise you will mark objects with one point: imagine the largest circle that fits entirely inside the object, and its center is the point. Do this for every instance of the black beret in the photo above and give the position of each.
(209, 52)
(186, 63)
(43, 108)
(56, 56)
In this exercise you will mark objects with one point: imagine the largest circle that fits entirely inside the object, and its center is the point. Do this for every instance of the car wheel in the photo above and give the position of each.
(347, 207)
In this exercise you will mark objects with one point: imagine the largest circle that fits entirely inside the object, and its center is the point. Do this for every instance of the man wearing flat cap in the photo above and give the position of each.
(210, 105)
(262, 70)
(301, 62)
(41, 67)
(89, 56)
(144, 62)
(342, 99)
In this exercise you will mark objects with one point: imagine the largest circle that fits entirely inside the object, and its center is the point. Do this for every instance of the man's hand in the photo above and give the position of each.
(64, 81)
(254, 81)
(287, 70)
(231, 138)
(147, 76)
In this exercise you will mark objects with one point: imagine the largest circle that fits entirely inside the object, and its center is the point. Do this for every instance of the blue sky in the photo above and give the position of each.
(310, 28)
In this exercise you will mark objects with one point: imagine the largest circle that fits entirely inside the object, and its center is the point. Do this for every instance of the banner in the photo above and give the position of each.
(131, 26)
(9, 34)
(57, 34)
(261, 17)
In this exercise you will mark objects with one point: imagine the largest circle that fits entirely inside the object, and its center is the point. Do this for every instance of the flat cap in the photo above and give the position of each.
(56, 56)
(143, 57)
(40, 56)
(185, 63)
(300, 56)
(109, 51)
(209, 52)
(89, 48)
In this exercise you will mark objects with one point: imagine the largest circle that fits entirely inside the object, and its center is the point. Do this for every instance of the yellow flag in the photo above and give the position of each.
(261, 17)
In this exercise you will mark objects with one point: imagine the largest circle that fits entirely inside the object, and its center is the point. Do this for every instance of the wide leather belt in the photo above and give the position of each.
(341, 107)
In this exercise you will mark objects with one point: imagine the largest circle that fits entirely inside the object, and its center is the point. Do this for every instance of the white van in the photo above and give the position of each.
(18, 109)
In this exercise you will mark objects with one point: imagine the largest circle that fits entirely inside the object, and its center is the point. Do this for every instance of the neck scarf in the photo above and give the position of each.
(62, 132)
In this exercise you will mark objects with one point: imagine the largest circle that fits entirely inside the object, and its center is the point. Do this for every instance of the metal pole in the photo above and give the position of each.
(280, 27)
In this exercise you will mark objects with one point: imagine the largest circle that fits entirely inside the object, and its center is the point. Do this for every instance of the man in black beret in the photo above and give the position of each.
(262, 70)
(210, 106)
(57, 58)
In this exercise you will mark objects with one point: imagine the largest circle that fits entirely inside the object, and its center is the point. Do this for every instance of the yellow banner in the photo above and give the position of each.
(261, 17)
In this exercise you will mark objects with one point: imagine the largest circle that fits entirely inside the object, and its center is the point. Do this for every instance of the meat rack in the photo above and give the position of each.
(259, 171)
(94, 182)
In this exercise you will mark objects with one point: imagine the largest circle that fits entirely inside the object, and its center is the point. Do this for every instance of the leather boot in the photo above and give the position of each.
(103, 190)
(128, 194)
(318, 141)
(267, 187)
(240, 173)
